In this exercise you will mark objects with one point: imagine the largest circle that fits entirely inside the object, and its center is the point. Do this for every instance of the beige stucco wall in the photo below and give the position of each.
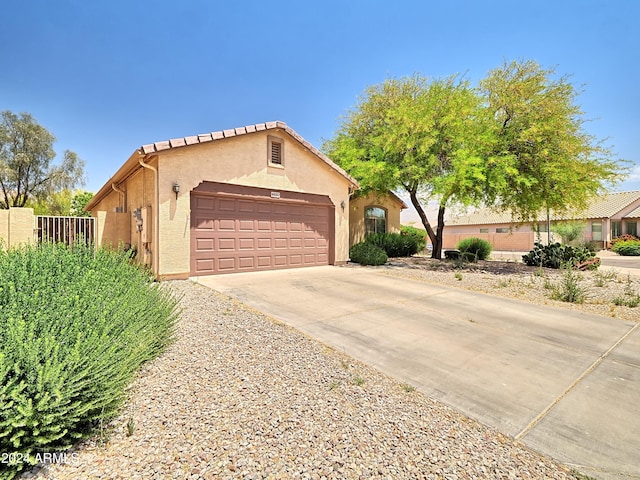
(240, 160)
(16, 226)
(356, 214)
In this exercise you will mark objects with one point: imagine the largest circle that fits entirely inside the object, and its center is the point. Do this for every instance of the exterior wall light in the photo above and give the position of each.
(342, 205)
(176, 189)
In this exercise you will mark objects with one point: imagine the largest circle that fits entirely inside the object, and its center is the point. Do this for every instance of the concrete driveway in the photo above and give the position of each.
(564, 383)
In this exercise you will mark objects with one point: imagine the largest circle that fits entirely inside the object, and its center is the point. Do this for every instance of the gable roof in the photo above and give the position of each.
(132, 163)
(633, 214)
(605, 206)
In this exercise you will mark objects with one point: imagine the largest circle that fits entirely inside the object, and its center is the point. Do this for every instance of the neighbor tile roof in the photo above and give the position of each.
(235, 132)
(633, 214)
(605, 206)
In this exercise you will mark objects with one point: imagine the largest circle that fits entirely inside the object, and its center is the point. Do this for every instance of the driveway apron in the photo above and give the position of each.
(563, 382)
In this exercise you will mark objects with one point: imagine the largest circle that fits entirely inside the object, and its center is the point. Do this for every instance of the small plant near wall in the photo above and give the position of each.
(367, 254)
(474, 249)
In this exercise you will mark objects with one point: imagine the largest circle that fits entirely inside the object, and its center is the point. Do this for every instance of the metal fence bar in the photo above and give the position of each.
(67, 230)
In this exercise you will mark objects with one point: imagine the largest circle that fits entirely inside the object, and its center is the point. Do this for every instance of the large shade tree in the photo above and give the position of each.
(427, 137)
(516, 143)
(543, 158)
(26, 155)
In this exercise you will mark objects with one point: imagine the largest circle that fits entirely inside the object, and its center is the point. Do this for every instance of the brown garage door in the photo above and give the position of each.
(237, 229)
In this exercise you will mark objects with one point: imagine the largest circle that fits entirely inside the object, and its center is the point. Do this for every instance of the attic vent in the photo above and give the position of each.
(276, 151)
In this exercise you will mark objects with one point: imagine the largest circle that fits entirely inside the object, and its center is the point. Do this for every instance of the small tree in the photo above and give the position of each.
(78, 202)
(569, 231)
(26, 153)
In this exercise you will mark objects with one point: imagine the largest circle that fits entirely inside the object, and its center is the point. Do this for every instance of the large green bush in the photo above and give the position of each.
(75, 326)
(627, 248)
(474, 249)
(366, 253)
(556, 255)
(418, 235)
(394, 244)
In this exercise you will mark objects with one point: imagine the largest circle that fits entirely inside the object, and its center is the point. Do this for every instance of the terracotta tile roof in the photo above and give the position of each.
(234, 132)
(605, 206)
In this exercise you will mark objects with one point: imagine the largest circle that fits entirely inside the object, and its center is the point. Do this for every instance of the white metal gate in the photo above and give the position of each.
(68, 230)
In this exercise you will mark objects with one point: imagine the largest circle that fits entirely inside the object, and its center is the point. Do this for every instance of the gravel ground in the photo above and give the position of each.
(601, 289)
(239, 395)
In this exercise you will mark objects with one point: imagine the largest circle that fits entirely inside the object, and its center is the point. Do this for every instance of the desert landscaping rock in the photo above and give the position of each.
(239, 395)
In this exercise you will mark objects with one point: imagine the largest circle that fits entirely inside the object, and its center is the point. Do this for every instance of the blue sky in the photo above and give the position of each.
(107, 77)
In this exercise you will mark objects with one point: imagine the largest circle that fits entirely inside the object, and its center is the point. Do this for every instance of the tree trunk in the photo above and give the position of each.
(437, 247)
(435, 237)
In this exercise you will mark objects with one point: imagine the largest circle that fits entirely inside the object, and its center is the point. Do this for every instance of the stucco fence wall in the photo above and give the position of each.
(507, 242)
(16, 226)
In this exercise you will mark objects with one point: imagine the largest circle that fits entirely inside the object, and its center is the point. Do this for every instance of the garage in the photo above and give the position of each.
(238, 228)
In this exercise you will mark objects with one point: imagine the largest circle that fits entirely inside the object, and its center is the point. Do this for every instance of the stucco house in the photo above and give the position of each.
(605, 218)
(374, 213)
(258, 197)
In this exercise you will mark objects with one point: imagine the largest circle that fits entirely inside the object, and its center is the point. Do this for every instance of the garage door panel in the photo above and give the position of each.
(226, 205)
(264, 261)
(246, 263)
(246, 243)
(204, 223)
(265, 207)
(246, 225)
(245, 206)
(240, 234)
(227, 244)
(264, 243)
(204, 244)
(280, 243)
(226, 224)
(226, 264)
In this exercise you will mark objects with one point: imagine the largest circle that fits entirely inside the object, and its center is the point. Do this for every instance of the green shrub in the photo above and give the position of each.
(628, 248)
(557, 256)
(75, 326)
(624, 238)
(366, 253)
(474, 249)
(569, 288)
(417, 234)
(394, 244)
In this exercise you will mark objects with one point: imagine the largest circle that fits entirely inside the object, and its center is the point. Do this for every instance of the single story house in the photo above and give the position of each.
(605, 218)
(258, 197)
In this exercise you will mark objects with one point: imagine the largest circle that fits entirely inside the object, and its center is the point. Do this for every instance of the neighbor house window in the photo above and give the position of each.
(542, 227)
(502, 230)
(596, 231)
(375, 220)
(484, 230)
(632, 228)
(616, 229)
(275, 151)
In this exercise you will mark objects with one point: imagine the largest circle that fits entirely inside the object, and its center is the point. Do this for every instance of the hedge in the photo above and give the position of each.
(75, 326)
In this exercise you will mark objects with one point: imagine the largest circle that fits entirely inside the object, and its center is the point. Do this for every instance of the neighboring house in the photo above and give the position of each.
(258, 197)
(374, 213)
(605, 218)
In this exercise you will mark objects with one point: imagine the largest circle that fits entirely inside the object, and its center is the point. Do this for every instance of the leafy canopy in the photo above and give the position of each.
(26, 153)
(516, 143)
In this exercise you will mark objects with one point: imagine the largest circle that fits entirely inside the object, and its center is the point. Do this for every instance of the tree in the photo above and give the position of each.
(569, 231)
(26, 153)
(78, 202)
(55, 203)
(543, 160)
(427, 137)
(516, 143)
